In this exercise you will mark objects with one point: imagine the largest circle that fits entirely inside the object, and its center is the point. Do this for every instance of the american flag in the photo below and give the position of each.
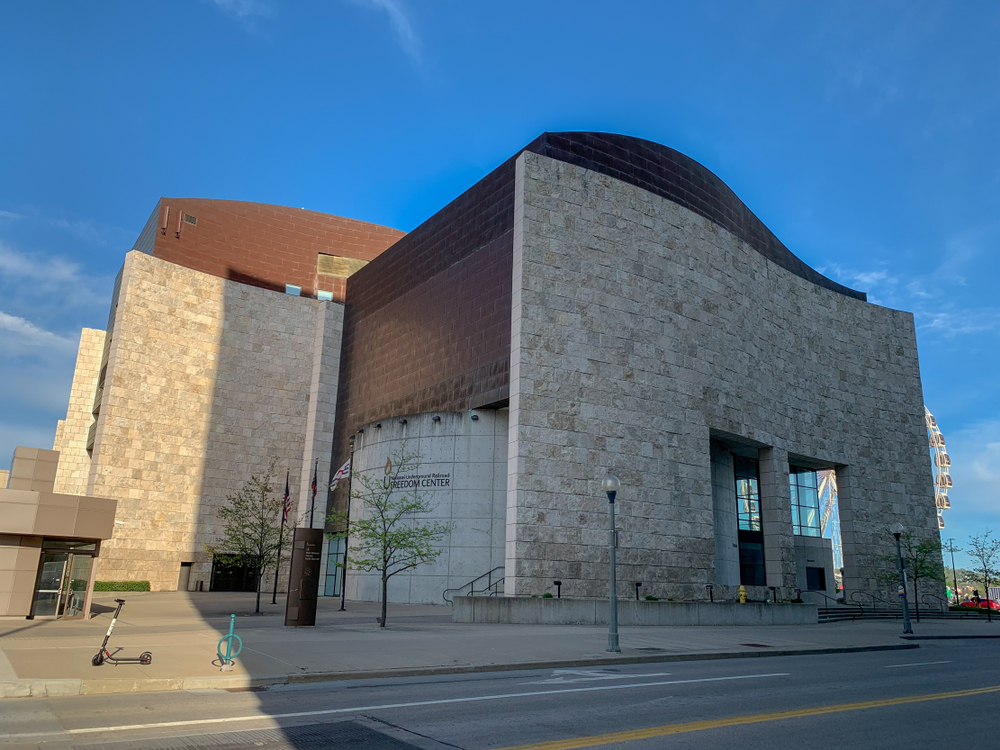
(288, 502)
(314, 482)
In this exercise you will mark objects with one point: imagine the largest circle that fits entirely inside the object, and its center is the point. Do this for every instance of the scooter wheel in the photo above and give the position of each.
(145, 658)
(98, 659)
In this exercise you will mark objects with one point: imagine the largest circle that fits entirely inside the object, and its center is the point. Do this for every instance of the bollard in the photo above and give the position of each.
(230, 656)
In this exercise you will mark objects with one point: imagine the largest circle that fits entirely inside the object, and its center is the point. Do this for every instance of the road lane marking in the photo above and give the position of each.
(917, 664)
(698, 726)
(354, 709)
(566, 676)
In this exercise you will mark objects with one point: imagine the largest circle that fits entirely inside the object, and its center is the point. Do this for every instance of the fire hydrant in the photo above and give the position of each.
(743, 595)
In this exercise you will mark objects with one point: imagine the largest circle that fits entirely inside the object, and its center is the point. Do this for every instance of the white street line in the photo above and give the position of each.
(566, 676)
(916, 664)
(355, 709)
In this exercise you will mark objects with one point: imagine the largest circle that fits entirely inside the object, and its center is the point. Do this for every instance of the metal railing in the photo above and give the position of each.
(488, 584)
(889, 606)
(942, 602)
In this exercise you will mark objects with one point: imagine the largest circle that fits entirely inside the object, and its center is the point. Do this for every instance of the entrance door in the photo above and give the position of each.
(63, 579)
(49, 584)
(76, 582)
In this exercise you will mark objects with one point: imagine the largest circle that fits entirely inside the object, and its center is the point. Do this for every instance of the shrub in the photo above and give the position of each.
(546, 596)
(651, 598)
(121, 585)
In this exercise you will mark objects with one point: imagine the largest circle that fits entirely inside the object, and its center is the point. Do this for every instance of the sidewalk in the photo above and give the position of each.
(48, 658)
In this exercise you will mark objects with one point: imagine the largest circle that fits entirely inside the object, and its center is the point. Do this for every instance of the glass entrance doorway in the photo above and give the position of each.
(63, 579)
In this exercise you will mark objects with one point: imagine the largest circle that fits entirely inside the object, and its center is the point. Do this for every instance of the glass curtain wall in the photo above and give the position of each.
(805, 502)
(751, 533)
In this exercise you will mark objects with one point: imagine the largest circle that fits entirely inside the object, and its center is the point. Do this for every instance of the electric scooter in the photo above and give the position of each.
(103, 655)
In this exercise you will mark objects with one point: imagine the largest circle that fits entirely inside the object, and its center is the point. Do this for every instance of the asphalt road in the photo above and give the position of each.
(895, 699)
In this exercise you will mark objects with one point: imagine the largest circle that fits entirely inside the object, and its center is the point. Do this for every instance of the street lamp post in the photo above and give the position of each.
(897, 529)
(611, 485)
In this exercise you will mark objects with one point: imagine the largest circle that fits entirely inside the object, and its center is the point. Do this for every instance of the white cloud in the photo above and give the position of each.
(26, 335)
(400, 22)
(51, 277)
(245, 9)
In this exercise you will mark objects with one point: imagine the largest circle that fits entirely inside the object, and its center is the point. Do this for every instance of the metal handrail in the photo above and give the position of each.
(945, 602)
(826, 607)
(491, 587)
(891, 605)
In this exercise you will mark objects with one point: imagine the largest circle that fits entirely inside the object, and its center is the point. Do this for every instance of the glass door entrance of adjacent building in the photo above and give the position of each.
(63, 579)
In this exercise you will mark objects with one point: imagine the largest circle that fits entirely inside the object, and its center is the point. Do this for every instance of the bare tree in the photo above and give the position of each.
(985, 554)
(251, 527)
(385, 533)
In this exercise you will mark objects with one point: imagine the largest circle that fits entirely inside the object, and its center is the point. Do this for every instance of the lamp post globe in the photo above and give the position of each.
(611, 484)
(897, 530)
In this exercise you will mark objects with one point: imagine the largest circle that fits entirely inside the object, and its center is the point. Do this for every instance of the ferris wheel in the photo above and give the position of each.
(830, 514)
(942, 464)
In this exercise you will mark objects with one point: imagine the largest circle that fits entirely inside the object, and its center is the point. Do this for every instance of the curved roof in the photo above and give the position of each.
(680, 179)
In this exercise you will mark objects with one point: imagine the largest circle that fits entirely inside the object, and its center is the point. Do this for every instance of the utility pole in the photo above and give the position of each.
(954, 574)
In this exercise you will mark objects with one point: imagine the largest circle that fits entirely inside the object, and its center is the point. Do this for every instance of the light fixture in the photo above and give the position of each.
(361, 430)
(475, 417)
(611, 484)
(435, 418)
(378, 426)
(402, 421)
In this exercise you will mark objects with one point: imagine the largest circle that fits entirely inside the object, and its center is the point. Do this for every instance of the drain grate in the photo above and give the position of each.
(650, 648)
(756, 645)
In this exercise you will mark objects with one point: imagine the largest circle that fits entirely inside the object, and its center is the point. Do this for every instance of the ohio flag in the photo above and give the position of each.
(342, 473)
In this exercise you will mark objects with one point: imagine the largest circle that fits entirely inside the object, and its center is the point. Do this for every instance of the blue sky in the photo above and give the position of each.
(865, 135)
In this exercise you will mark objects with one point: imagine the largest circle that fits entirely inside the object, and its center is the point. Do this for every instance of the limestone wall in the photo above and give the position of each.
(71, 437)
(208, 381)
(638, 329)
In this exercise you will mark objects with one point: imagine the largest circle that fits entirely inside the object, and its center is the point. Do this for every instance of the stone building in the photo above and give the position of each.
(596, 303)
(220, 355)
(610, 305)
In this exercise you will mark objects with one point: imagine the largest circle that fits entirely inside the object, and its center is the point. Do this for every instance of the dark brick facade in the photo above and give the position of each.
(262, 245)
(428, 326)
(677, 178)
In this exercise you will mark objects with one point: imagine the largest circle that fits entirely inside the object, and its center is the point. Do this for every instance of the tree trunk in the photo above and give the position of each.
(260, 576)
(385, 586)
(916, 599)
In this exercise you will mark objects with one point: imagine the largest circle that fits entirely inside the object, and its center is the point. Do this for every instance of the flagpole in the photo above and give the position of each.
(312, 502)
(347, 526)
(281, 534)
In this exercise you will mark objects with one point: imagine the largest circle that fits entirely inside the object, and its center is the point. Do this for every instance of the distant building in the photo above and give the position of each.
(596, 303)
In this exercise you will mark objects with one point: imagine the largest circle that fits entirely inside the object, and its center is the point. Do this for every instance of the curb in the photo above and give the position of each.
(61, 688)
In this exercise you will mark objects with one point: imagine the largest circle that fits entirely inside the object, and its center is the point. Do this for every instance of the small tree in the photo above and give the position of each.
(985, 554)
(923, 561)
(385, 533)
(251, 527)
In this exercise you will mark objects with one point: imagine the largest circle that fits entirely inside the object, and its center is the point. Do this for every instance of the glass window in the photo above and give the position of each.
(334, 571)
(805, 502)
(747, 493)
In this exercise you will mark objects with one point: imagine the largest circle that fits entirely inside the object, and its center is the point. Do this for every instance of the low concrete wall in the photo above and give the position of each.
(534, 611)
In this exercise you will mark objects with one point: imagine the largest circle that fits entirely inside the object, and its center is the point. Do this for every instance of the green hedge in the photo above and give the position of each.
(121, 585)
